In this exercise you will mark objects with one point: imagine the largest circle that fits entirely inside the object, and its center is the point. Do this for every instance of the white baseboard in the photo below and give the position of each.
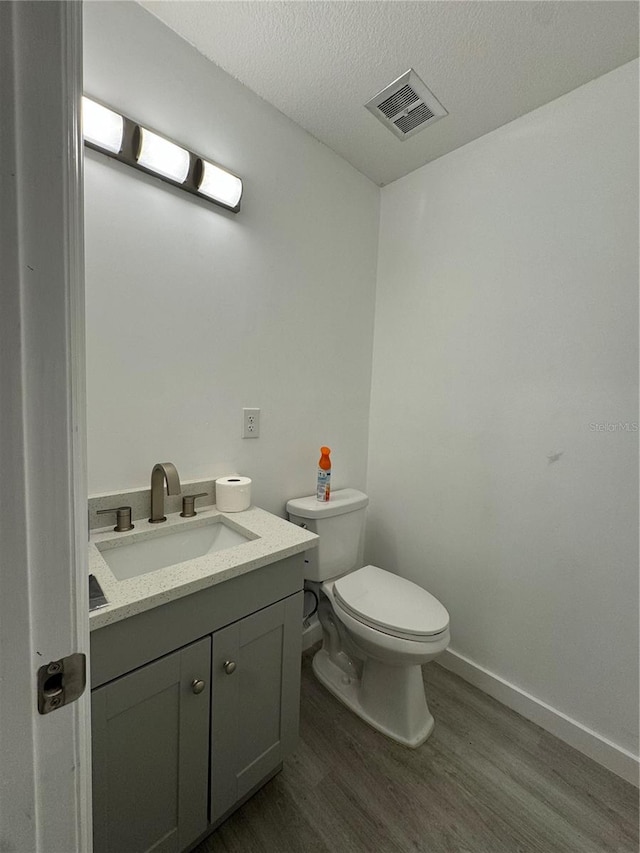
(605, 752)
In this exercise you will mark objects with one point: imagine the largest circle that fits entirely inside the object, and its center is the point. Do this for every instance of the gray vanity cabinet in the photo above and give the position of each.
(171, 760)
(255, 689)
(150, 732)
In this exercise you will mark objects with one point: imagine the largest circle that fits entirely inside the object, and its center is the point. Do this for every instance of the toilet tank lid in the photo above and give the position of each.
(340, 502)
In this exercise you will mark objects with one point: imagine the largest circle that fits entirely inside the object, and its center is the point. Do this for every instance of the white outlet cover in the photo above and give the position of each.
(250, 423)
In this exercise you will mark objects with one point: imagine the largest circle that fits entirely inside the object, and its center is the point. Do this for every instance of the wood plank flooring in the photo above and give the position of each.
(486, 781)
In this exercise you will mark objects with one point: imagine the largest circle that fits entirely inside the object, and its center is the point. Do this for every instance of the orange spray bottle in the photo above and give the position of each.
(324, 475)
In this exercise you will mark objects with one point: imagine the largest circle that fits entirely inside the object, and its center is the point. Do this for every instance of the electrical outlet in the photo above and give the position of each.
(250, 423)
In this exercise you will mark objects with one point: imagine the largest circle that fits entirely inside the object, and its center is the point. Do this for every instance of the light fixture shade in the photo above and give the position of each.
(101, 126)
(220, 185)
(162, 157)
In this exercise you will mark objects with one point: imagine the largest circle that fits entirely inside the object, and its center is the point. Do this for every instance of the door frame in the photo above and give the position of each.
(45, 784)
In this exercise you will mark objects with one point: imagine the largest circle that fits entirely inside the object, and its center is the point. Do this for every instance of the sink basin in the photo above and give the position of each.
(168, 547)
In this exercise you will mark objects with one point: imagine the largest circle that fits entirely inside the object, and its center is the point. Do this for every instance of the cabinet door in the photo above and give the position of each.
(255, 707)
(150, 755)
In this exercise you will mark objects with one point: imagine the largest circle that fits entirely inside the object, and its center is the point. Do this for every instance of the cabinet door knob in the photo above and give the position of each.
(229, 666)
(197, 685)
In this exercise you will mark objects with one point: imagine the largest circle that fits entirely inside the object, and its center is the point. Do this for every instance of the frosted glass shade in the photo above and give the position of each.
(163, 157)
(101, 126)
(220, 185)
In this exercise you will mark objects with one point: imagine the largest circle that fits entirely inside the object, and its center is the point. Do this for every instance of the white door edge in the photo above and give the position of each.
(45, 794)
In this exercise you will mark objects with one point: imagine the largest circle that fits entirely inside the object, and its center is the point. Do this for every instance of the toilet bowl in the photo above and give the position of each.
(378, 629)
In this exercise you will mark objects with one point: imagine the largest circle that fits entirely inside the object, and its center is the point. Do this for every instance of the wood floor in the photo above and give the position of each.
(486, 780)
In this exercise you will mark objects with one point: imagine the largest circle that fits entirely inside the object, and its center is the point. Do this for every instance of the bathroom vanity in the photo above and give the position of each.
(195, 673)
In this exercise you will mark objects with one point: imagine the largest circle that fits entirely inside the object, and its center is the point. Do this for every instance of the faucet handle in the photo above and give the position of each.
(123, 517)
(188, 504)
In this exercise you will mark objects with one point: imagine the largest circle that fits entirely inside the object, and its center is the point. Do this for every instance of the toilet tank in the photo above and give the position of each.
(339, 522)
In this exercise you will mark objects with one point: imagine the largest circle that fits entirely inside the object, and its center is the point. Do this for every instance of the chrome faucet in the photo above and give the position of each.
(162, 471)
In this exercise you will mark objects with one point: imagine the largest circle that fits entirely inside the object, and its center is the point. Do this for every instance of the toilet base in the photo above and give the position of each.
(389, 698)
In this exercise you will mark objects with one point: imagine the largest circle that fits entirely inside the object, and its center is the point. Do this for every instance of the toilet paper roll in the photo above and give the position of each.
(233, 494)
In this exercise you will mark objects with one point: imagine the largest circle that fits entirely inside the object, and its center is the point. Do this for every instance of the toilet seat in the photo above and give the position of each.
(391, 604)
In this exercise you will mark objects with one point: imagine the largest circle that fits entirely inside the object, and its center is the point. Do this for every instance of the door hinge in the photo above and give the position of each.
(61, 682)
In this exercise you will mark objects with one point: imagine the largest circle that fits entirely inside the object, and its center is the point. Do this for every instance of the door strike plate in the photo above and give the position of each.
(61, 682)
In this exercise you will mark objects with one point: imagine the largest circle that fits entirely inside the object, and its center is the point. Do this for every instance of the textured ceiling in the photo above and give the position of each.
(487, 62)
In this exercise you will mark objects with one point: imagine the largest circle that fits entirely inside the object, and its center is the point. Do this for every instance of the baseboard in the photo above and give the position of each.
(590, 743)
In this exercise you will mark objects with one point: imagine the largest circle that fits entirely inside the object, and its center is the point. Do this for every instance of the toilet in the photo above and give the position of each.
(377, 628)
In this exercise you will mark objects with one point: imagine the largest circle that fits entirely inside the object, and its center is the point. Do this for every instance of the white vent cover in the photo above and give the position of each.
(406, 105)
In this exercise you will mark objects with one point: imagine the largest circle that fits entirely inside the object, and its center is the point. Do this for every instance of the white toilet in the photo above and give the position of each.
(378, 629)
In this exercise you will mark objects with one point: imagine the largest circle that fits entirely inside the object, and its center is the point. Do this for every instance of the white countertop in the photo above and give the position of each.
(274, 540)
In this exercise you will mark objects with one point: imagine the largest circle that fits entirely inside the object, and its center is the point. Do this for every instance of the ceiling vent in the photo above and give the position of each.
(406, 106)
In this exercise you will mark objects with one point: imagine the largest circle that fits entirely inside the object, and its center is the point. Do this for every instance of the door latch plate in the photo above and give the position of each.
(61, 682)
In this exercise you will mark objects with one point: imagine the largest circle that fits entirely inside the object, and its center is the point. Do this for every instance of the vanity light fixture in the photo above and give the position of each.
(124, 139)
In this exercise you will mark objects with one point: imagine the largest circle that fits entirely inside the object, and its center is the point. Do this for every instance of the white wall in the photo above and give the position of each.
(506, 324)
(193, 313)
